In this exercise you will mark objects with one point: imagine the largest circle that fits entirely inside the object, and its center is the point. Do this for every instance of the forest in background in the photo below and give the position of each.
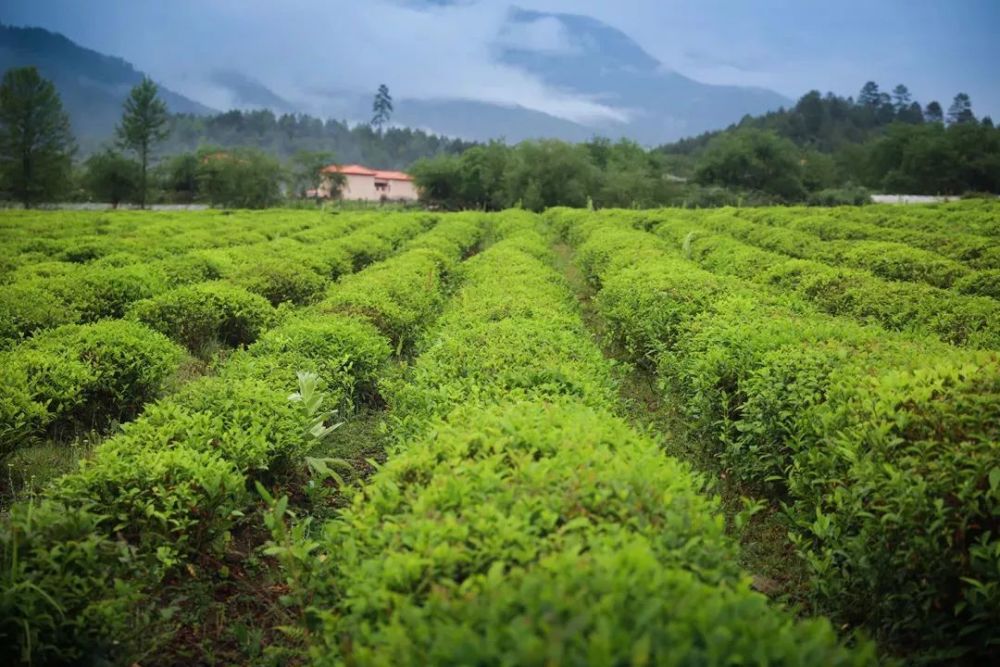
(825, 150)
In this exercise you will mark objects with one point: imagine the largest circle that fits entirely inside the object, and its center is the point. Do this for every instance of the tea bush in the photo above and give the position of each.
(346, 354)
(539, 528)
(82, 376)
(883, 447)
(198, 315)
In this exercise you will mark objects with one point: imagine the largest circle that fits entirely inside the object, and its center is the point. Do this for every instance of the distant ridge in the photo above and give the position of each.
(92, 85)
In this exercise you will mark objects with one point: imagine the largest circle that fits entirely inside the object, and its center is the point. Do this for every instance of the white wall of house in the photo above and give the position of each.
(368, 188)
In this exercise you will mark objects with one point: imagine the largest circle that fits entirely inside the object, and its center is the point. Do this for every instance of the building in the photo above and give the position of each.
(364, 184)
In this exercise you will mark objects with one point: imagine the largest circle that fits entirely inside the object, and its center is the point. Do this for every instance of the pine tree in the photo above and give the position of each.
(933, 113)
(381, 108)
(143, 125)
(960, 110)
(36, 143)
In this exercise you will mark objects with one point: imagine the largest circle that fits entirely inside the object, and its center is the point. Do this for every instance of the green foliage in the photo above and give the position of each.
(753, 160)
(36, 143)
(307, 172)
(111, 177)
(534, 528)
(278, 280)
(143, 125)
(400, 296)
(82, 376)
(199, 315)
(169, 503)
(347, 356)
(239, 178)
(62, 600)
(883, 448)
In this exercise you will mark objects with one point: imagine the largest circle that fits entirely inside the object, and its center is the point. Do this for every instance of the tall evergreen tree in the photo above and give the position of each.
(933, 113)
(960, 110)
(381, 108)
(901, 97)
(870, 95)
(144, 124)
(36, 143)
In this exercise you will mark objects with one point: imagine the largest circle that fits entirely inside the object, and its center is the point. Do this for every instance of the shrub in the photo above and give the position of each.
(980, 283)
(399, 296)
(279, 280)
(28, 307)
(198, 315)
(506, 514)
(83, 376)
(62, 598)
(897, 510)
(250, 425)
(346, 354)
(170, 504)
(98, 293)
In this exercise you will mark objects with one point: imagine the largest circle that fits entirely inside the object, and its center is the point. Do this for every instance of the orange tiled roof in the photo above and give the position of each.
(351, 169)
(358, 170)
(393, 175)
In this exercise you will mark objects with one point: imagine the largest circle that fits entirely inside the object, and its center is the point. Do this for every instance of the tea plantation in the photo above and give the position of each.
(761, 436)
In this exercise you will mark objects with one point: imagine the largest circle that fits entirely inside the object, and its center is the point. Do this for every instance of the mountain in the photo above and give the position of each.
(592, 60)
(248, 93)
(598, 61)
(589, 60)
(92, 85)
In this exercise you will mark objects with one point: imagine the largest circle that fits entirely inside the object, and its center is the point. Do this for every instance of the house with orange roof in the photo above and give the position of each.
(364, 184)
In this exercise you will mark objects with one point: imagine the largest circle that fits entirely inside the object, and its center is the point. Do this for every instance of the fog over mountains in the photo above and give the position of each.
(633, 94)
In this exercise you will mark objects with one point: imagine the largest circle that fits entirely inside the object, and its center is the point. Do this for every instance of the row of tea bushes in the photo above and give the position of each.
(883, 448)
(83, 237)
(81, 377)
(520, 522)
(280, 270)
(962, 320)
(89, 376)
(973, 216)
(889, 260)
(78, 569)
(851, 224)
(402, 296)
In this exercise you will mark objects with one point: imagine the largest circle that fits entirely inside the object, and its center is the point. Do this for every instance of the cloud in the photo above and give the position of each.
(544, 35)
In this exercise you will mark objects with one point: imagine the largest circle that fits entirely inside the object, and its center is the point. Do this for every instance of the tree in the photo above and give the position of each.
(307, 173)
(756, 160)
(439, 181)
(987, 122)
(239, 178)
(144, 124)
(381, 108)
(548, 173)
(178, 177)
(870, 95)
(901, 97)
(933, 113)
(36, 144)
(111, 177)
(960, 110)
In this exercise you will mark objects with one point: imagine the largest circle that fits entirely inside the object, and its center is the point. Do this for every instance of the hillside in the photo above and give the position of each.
(653, 104)
(92, 85)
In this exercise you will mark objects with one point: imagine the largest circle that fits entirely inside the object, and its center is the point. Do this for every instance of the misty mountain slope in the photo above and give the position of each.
(92, 85)
(601, 62)
(588, 59)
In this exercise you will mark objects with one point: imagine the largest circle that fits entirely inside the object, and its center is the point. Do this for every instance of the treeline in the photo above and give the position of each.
(287, 134)
(539, 174)
(826, 150)
(237, 159)
(881, 141)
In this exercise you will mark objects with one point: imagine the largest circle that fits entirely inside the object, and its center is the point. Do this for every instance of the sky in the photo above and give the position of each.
(310, 50)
